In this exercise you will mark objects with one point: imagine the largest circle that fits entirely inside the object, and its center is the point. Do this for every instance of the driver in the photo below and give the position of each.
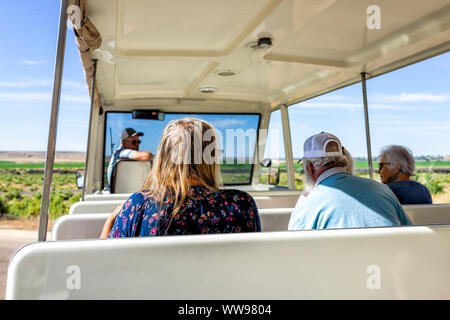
(129, 149)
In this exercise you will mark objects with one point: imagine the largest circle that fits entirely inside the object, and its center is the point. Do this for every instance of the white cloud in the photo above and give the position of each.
(41, 83)
(304, 106)
(405, 125)
(41, 97)
(412, 97)
(33, 62)
(323, 105)
(25, 83)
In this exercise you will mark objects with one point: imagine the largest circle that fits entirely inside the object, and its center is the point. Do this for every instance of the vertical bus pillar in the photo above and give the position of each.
(50, 155)
(366, 121)
(88, 147)
(288, 147)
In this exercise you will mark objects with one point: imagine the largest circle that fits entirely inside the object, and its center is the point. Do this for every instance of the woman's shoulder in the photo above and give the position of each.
(409, 188)
(420, 186)
(137, 198)
(406, 184)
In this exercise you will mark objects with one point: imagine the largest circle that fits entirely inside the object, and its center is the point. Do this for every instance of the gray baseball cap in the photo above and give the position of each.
(129, 132)
(315, 146)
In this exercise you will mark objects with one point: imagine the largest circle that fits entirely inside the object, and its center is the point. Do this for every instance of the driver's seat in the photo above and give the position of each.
(128, 176)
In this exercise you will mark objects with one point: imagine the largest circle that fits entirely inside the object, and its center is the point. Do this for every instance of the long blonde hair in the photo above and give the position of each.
(187, 152)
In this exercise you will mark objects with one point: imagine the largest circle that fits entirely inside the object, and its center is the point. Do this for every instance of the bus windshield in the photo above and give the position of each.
(237, 136)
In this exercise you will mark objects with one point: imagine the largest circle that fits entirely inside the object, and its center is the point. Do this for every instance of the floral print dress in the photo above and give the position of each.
(204, 211)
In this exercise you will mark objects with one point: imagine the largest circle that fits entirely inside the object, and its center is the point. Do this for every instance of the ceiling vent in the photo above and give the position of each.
(207, 89)
(225, 73)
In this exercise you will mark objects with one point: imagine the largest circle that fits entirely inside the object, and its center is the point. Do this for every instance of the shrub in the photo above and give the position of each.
(3, 207)
(26, 207)
(12, 194)
(432, 183)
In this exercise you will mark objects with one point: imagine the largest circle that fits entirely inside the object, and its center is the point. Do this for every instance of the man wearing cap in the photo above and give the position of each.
(129, 149)
(338, 199)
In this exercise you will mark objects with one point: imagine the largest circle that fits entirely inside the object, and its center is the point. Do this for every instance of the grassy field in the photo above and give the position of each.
(21, 191)
(14, 165)
(21, 184)
(437, 183)
(365, 164)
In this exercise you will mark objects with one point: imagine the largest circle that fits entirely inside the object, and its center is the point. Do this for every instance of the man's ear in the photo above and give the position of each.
(309, 167)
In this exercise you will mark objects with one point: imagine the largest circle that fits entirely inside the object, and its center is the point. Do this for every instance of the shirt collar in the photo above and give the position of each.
(329, 173)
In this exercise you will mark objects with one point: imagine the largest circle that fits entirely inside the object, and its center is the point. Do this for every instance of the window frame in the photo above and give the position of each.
(194, 113)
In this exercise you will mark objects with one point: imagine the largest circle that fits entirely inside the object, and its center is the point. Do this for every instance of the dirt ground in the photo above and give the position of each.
(39, 156)
(31, 224)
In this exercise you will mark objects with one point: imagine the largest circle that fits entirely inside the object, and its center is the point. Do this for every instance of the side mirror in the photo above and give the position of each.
(266, 163)
(274, 176)
(80, 178)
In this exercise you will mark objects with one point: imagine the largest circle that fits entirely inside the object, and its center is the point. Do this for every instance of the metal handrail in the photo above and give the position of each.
(366, 122)
(50, 155)
(88, 147)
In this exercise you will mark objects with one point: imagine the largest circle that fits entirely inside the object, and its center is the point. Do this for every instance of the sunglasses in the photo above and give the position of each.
(380, 165)
(135, 142)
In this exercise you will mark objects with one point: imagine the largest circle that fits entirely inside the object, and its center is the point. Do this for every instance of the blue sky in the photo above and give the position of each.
(26, 78)
(410, 106)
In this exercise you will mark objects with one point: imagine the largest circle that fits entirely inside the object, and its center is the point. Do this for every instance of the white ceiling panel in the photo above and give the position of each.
(172, 48)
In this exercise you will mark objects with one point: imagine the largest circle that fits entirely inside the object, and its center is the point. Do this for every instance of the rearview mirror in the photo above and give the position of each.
(148, 114)
(80, 178)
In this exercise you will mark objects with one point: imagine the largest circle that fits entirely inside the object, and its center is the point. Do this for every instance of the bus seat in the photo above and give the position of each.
(89, 226)
(275, 202)
(107, 197)
(104, 206)
(129, 175)
(373, 263)
(95, 206)
(426, 214)
(79, 226)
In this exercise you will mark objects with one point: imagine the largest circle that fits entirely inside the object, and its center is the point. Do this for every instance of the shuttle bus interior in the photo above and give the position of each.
(234, 64)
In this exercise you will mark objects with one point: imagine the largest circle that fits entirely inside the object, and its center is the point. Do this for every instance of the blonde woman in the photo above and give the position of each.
(181, 194)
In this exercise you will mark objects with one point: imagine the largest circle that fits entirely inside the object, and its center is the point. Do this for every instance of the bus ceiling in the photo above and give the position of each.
(273, 51)
(264, 52)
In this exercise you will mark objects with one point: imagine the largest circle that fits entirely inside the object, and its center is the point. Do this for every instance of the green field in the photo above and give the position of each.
(437, 182)
(14, 165)
(21, 184)
(21, 191)
(365, 164)
(282, 165)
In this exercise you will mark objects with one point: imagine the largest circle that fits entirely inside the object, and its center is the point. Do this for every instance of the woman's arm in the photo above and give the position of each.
(110, 222)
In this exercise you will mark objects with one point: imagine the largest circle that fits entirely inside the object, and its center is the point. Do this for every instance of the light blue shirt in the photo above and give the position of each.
(341, 200)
